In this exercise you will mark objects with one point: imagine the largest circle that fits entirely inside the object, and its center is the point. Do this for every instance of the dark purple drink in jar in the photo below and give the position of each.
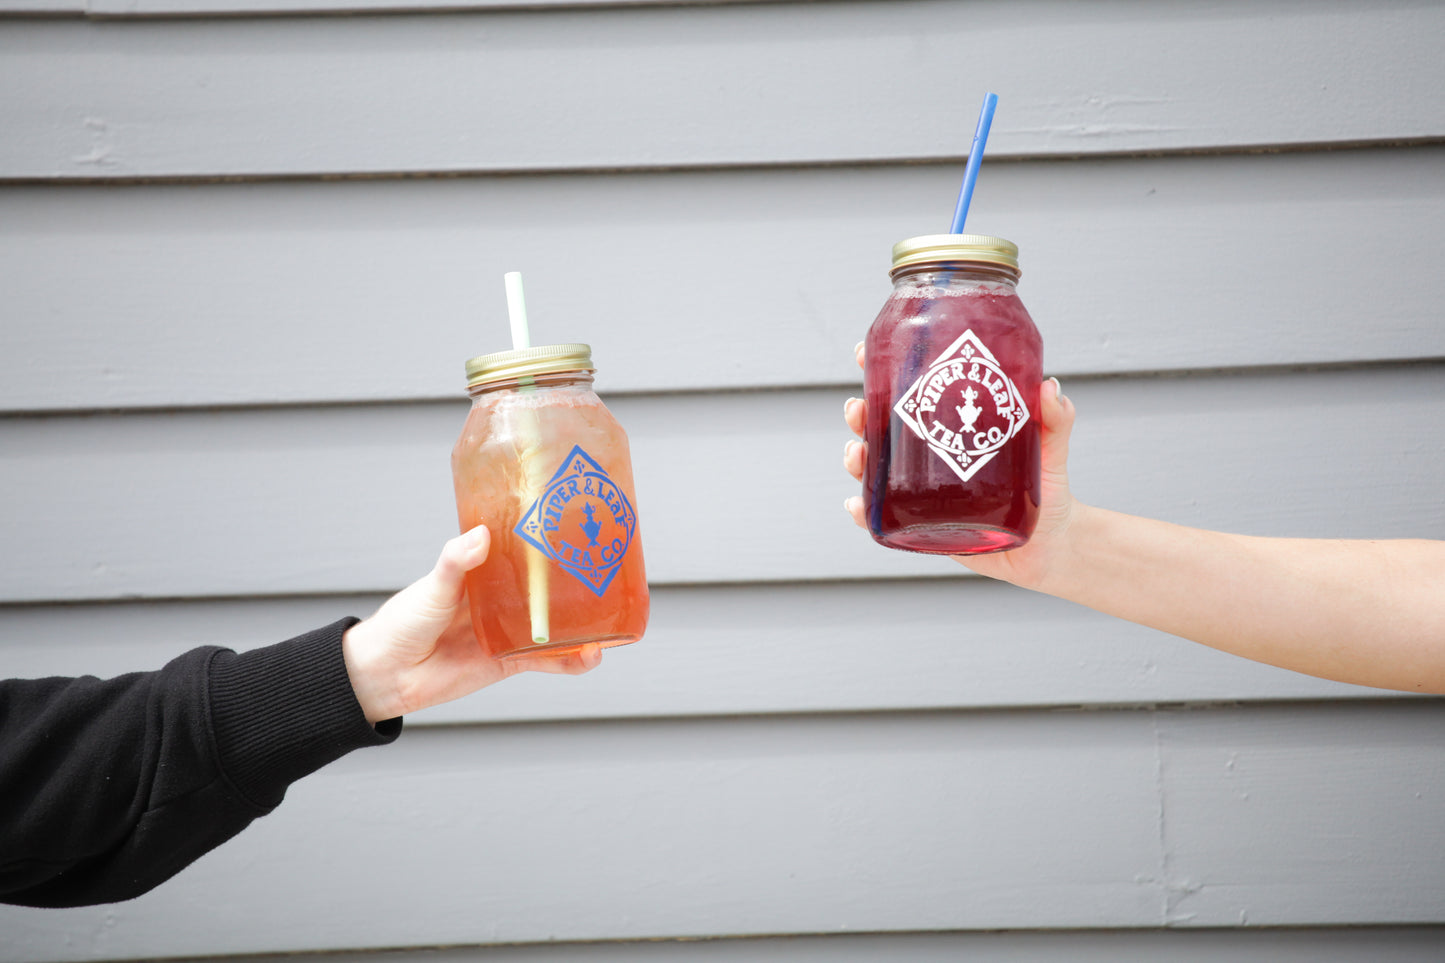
(954, 364)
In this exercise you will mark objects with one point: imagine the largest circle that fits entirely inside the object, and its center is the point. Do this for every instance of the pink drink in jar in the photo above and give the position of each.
(952, 375)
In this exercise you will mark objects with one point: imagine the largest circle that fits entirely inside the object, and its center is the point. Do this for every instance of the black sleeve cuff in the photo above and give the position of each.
(284, 711)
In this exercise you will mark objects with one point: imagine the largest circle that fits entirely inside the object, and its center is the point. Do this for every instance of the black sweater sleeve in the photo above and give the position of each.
(108, 788)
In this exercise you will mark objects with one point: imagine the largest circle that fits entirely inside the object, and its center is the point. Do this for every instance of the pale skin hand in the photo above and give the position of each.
(1366, 612)
(418, 650)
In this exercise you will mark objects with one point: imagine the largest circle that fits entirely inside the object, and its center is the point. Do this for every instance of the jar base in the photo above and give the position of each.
(936, 539)
(559, 649)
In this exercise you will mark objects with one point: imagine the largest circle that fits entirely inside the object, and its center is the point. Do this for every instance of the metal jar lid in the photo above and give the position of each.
(528, 363)
(946, 248)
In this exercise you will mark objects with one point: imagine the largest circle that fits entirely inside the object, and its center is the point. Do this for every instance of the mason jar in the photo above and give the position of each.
(546, 467)
(951, 377)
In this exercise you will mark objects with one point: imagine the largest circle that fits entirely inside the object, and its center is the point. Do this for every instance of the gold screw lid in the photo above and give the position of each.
(528, 362)
(942, 248)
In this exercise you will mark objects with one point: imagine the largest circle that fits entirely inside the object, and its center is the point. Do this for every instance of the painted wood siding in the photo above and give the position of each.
(771, 83)
(246, 246)
(1262, 259)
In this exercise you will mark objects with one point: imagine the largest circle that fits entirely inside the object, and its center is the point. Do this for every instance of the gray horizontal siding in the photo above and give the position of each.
(734, 487)
(211, 8)
(911, 822)
(260, 293)
(1380, 944)
(706, 85)
(827, 647)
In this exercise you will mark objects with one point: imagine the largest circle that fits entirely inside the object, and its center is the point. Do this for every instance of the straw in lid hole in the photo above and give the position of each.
(943, 248)
(528, 363)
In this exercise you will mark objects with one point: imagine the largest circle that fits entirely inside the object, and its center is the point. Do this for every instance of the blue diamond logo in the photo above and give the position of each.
(583, 521)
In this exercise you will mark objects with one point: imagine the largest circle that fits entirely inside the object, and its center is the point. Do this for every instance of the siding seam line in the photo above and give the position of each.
(1163, 872)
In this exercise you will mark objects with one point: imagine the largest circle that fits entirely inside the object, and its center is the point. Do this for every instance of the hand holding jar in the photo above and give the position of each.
(1026, 564)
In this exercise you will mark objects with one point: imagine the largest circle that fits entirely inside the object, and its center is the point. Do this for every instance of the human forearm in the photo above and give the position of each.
(1371, 613)
(113, 786)
(1368, 612)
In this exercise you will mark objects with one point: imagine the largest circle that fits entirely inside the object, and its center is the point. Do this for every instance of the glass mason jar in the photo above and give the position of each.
(542, 462)
(951, 379)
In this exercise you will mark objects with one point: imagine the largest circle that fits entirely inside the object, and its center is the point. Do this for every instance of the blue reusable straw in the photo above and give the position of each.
(975, 158)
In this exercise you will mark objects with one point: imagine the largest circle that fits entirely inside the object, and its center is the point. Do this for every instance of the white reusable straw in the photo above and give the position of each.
(530, 446)
(517, 309)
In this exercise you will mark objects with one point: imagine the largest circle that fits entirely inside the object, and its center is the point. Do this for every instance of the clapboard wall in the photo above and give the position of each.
(246, 245)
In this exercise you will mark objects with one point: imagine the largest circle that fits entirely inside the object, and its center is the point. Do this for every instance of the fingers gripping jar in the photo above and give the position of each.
(952, 376)
(542, 462)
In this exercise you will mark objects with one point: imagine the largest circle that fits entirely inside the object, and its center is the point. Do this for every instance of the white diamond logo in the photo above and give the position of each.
(964, 407)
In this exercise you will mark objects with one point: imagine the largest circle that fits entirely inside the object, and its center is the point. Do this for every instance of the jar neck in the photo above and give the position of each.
(948, 272)
(552, 379)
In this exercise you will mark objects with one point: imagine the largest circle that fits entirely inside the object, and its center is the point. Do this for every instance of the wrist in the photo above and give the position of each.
(1059, 568)
(375, 690)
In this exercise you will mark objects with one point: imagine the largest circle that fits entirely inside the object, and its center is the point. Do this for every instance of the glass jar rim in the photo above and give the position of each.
(528, 362)
(937, 249)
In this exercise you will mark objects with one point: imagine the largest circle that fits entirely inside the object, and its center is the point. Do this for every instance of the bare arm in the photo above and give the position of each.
(1367, 612)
